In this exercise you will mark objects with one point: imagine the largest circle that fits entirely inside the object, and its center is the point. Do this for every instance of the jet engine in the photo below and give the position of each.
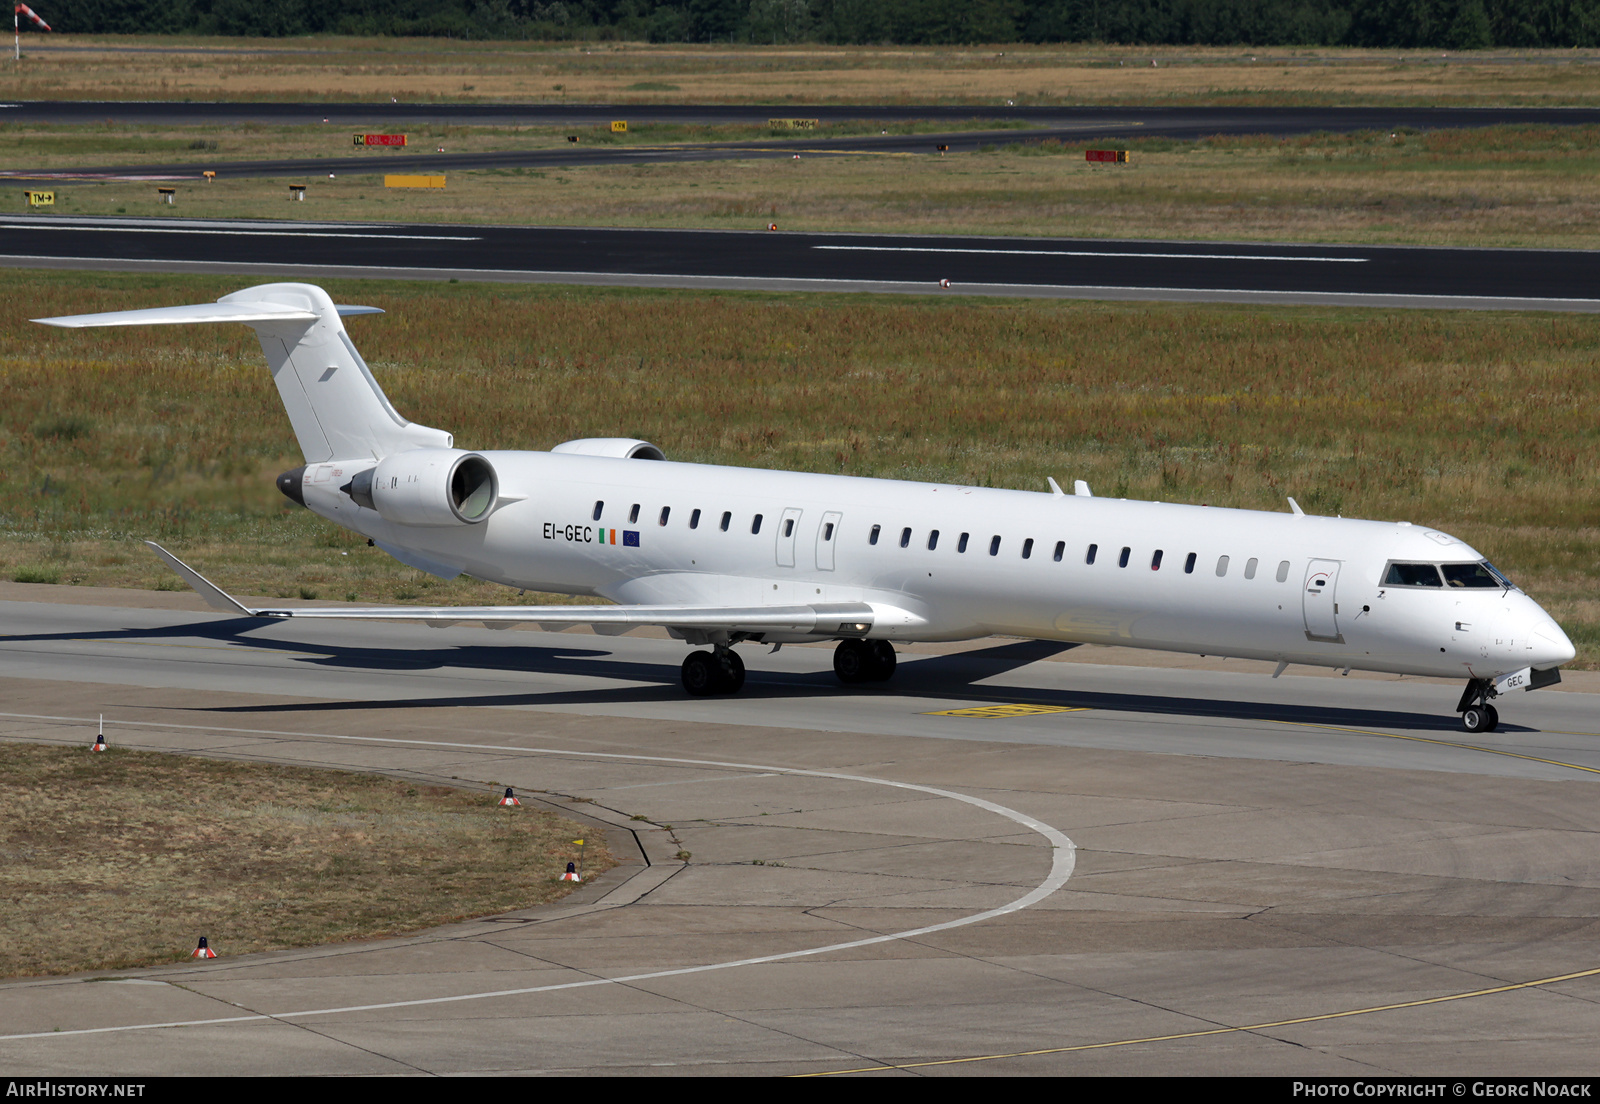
(623, 448)
(428, 487)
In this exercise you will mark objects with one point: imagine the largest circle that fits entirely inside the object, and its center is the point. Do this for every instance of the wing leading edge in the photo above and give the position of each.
(831, 619)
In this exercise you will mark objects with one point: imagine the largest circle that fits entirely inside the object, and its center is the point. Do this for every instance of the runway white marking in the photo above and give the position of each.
(1063, 860)
(1089, 253)
(238, 233)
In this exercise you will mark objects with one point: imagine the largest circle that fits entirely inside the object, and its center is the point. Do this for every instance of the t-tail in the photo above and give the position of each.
(336, 407)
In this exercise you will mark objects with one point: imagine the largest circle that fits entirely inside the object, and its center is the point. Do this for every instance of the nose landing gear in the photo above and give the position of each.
(718, 672)
(1477, 715)
(864, 660)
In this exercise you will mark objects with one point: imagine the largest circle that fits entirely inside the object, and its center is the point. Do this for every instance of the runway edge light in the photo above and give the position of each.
(100, 735)
(510, 798)
(572, 873)
(203, 950)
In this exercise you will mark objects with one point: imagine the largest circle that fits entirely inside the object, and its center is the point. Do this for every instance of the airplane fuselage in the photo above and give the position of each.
(942, 562)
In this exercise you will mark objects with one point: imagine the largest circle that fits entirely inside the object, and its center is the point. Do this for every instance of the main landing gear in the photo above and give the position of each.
(863, 660)
(718, 672)
(1477, 715)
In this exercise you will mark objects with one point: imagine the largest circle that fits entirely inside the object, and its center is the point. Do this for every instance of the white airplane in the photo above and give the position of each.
(720, 555)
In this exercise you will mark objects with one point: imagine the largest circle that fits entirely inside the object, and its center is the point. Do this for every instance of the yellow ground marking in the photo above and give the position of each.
(1222, 1030)
(1006, 710)
(1453, 744)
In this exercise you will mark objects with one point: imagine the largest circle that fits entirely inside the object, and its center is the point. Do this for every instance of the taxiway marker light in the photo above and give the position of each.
(510, 798)
(572, 873)
(203, 950)
(100, 736)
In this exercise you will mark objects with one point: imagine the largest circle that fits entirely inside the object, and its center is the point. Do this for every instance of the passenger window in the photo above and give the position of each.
(933, 540)
(994, 546)
(633, 514)
(788, 527)
(1420, 575)
(1188, 565)
(1250, 567)
(827, 531)
(1222, 566)
(873, 539)
(1283, 571)
(1122, 560)
(1061, 550)
(666, 512)
(599, 507)
(727, 519)
(1155, 560)
(1027, 548)
(755, 526)
(905, 538)
(961, 545)
(1093, 548)
(694, 520)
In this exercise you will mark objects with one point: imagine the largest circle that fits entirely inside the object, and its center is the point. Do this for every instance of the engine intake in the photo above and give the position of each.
(623, 448)
(428, 487)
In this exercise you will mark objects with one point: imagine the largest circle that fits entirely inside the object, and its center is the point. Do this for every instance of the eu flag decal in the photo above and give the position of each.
(630, 538)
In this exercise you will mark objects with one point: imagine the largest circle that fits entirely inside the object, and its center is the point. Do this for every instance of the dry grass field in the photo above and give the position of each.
(335, 68)
(123, 858)
(1502, 186)
(1483, 424)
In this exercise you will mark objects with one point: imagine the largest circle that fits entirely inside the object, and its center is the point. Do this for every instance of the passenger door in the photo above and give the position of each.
(1320, 601)
(827, 539)
(788, 529)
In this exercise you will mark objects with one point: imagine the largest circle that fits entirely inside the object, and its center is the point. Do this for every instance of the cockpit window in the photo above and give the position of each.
(1469, 575)
(1412, 574)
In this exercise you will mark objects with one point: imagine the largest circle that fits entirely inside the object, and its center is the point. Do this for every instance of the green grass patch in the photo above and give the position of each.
(121, 858)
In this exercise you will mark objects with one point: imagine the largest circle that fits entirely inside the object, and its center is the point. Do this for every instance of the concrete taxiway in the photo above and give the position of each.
(1013, 858)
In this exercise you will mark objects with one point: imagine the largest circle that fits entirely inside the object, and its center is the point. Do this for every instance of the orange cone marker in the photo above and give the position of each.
(944, 283)
(510, 798)
(203, 951)
(572, 873)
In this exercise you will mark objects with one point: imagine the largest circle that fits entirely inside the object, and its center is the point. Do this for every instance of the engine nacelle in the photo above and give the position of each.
(623, 448)
(428, 487)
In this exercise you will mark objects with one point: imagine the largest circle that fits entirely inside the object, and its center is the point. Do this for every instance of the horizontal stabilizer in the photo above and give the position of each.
(199, 312)
(824, 618)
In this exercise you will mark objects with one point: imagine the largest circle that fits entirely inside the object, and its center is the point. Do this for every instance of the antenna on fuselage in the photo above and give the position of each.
(1081, 489)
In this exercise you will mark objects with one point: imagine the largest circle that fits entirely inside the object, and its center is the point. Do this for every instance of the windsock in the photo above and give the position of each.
(510, 798)
(23, 9)
(203, 951)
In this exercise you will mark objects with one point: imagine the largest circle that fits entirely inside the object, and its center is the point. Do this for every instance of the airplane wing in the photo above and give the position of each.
(823, 618)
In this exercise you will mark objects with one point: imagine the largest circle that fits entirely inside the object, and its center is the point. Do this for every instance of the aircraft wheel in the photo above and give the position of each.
(1494, 718)
(883, 661)
(701, 674)
(1476, 718)
(732, 671)
(852, 661)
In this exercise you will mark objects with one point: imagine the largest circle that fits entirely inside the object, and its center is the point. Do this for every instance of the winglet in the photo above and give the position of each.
(215, 596)
(1295, 506)
(1055, 488)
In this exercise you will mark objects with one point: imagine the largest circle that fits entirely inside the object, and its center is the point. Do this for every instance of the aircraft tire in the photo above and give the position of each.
(852, 661)
(732, 672)
(883, 661)
(701, 674)
(1494, 718)
(1475, 718)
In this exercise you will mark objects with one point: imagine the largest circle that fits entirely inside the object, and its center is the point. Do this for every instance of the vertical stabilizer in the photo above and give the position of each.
(336, 407)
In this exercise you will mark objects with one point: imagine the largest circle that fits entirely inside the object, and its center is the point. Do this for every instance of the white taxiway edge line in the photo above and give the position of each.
(1091, 253)
(240, 233)
(1063, 860)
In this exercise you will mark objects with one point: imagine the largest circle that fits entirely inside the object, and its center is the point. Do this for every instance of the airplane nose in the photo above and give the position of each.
(1551, 648)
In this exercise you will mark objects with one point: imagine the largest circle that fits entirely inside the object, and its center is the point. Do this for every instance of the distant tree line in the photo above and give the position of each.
(1389, 24)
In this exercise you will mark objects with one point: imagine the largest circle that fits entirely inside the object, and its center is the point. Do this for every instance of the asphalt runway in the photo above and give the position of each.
(1506, 279)
(1093, 867)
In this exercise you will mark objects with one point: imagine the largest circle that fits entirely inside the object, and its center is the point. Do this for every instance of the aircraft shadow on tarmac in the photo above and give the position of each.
(945, 678)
